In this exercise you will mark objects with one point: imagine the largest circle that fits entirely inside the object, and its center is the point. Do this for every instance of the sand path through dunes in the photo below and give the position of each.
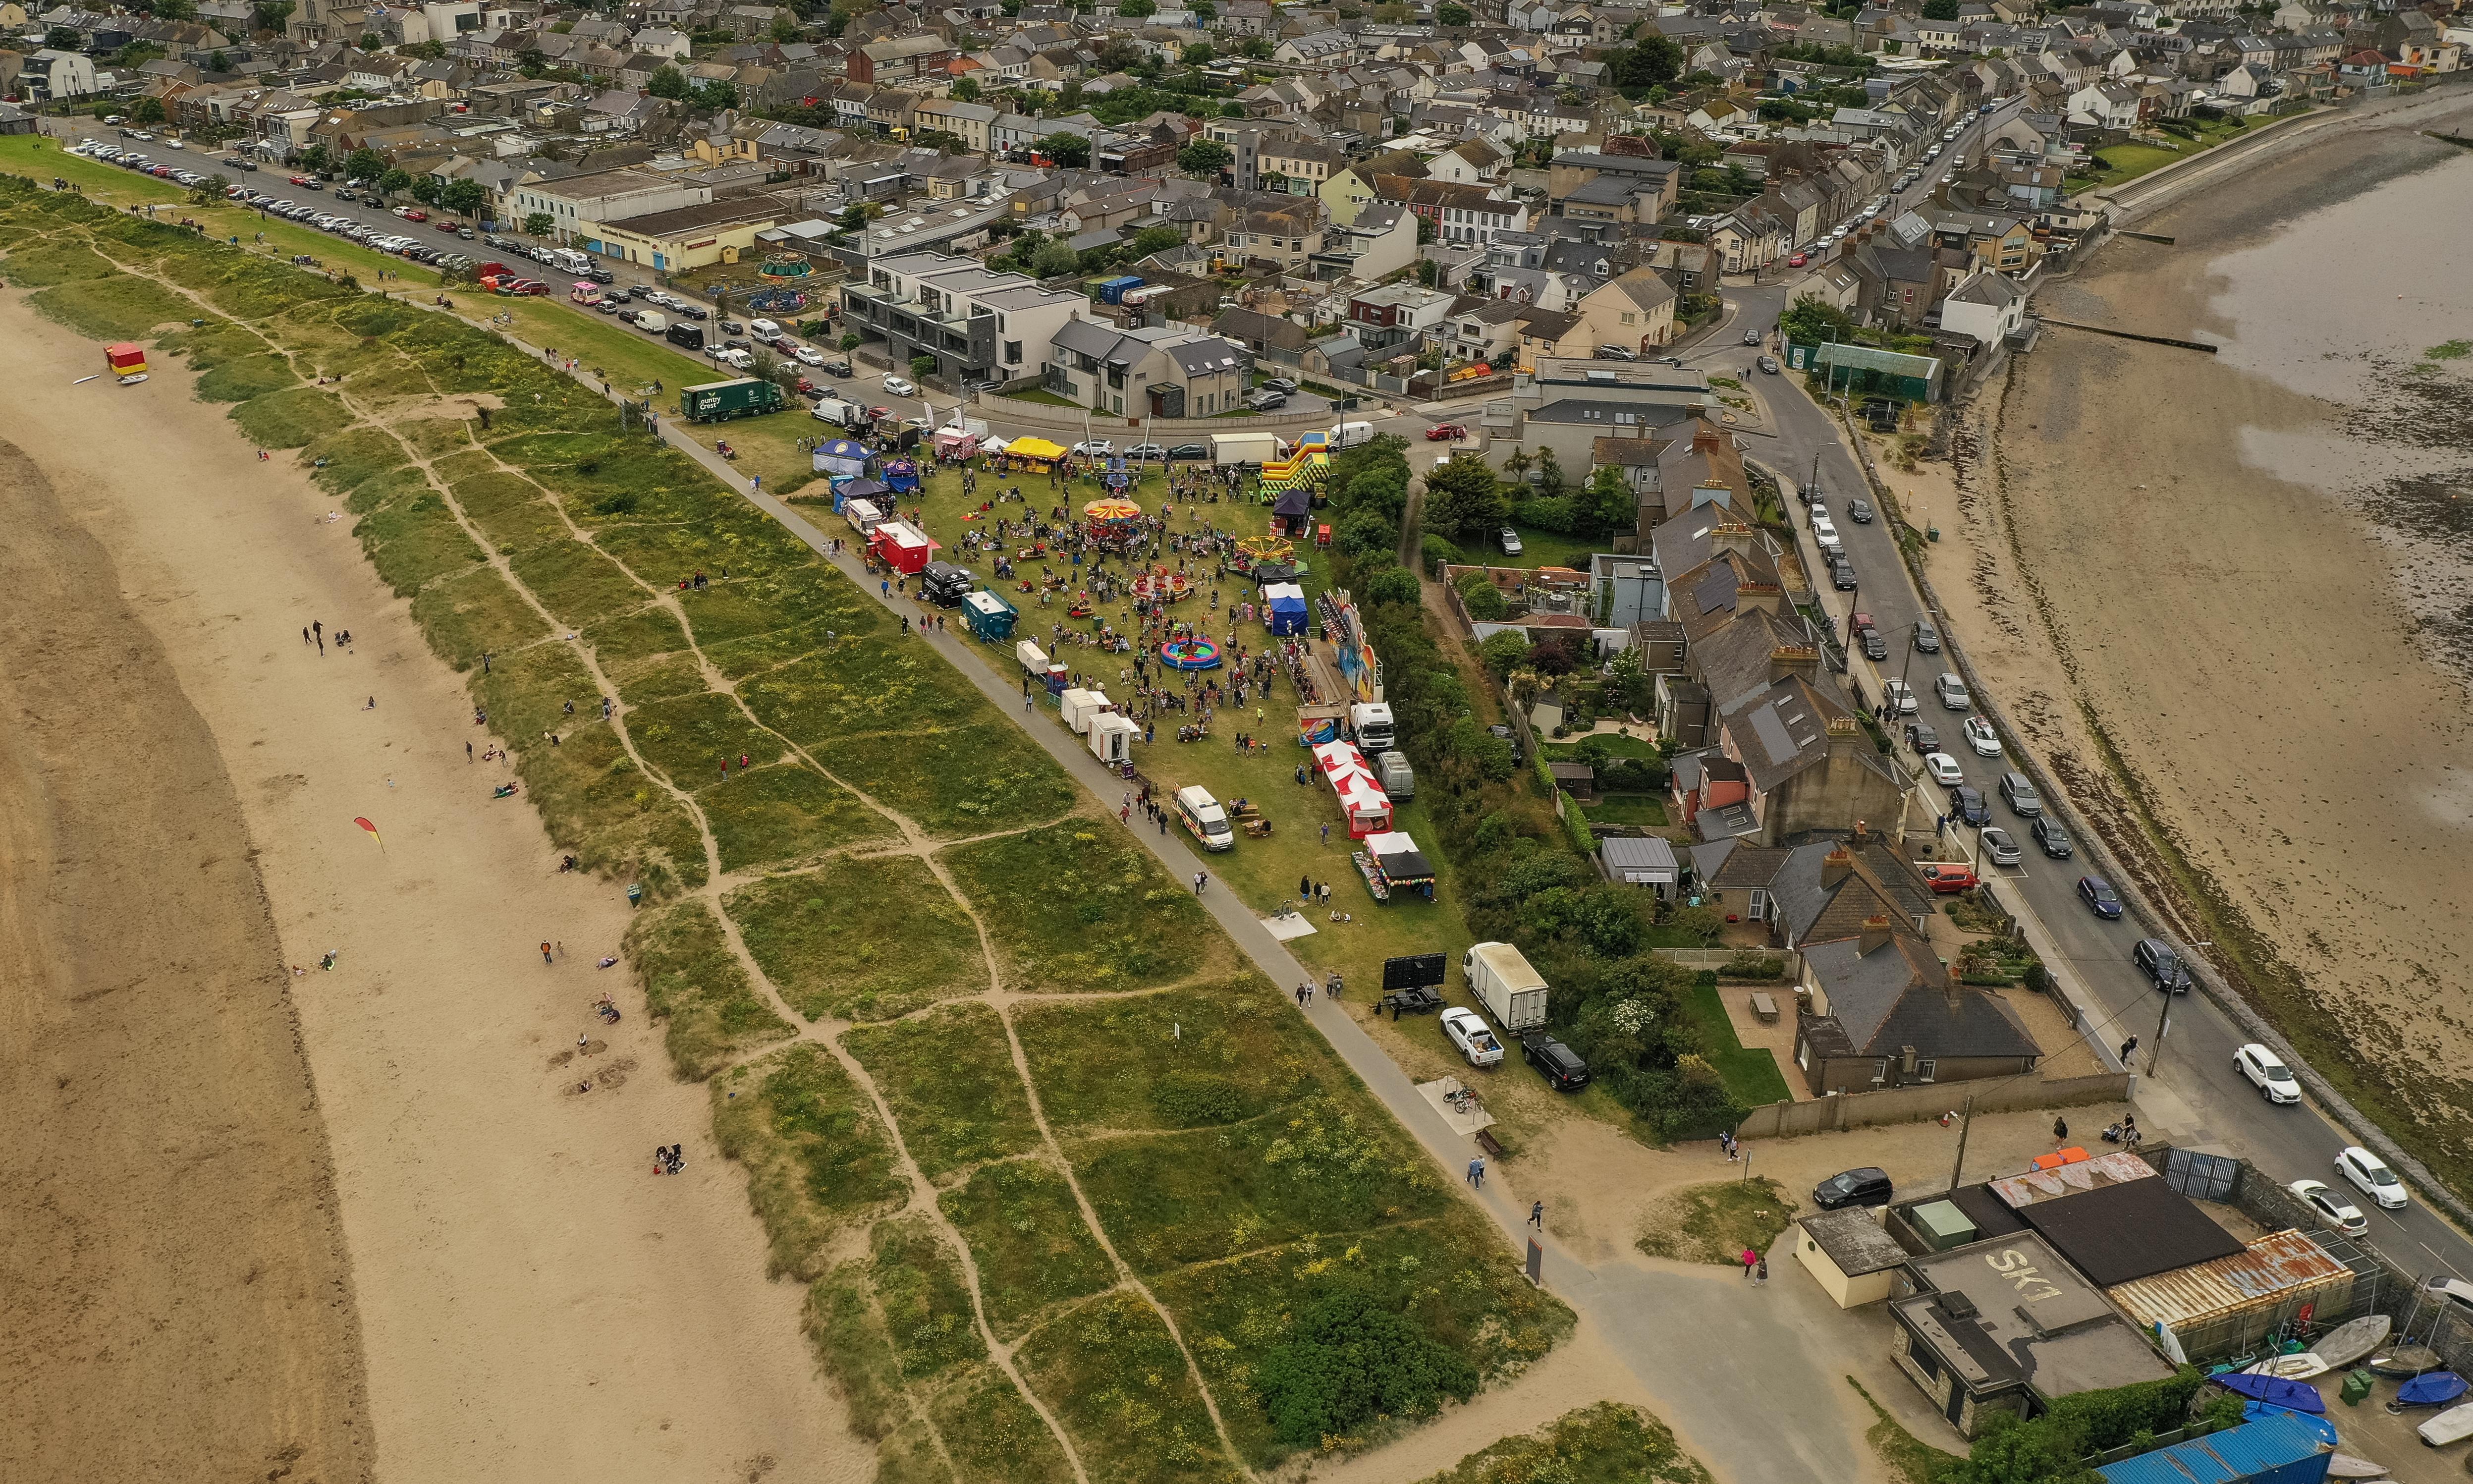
(534, 1304)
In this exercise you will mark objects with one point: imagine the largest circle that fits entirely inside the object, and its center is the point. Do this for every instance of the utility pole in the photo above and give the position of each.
(2155, 1052)
(1966, 1121)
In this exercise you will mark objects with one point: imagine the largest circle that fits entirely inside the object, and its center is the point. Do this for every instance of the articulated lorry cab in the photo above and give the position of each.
(1371, 722)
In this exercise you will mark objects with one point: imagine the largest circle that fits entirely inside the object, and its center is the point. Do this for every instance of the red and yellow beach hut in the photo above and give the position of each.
(126, 359)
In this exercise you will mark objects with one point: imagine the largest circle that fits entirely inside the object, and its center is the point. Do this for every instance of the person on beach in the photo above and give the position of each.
(545, 958)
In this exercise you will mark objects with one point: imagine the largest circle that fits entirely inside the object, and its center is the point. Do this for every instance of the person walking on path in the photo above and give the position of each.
(1477, 1173)
(1201, 879)
(2060, 1131)
(2126, 1047)
(1537, 1215)
(1751, 1261)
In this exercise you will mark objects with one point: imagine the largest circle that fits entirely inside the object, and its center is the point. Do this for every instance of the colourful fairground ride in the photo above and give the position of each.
(1114, 522)
(1307, 464)
(1189, 654)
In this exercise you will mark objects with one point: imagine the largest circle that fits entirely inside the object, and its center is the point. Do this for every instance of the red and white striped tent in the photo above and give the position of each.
(1362, 800)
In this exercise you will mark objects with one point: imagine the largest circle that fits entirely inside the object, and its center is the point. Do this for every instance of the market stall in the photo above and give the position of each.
(1113, 736)
(901, 546)
(1292, 512)
(1391, 861)
(1362, 800)
(902, 476)
(955, 444)
(841, 457)
(1035, 453)
(1283, 608)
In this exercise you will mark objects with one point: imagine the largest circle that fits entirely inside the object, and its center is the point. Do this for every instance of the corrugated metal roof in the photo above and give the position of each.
(2244, 1452)
(2274, 1267)
(2018, 1191)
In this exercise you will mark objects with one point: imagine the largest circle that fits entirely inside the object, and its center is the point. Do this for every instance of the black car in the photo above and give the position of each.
(1868, 1185)
(1562, 1065)
(2048, 833)
(732, 328)
(840, 367)
(600, 275)
(2163, 968)
(1968, 805)
(1842, 575)
(1875, 647)
(1922, 738)
(1927, 637)
(2100, 897)
(699, 312)
(1190, 451)
(1860, 512)
(1508, 735)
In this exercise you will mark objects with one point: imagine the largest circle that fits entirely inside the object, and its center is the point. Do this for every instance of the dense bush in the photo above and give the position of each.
(1347, 1362)
(2050, 1450)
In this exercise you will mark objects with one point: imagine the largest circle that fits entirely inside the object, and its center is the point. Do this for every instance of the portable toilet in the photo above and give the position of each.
(990, 617)
(1112, 738)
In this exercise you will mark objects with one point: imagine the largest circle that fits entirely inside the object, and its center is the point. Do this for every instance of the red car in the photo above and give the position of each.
(445, 226)
(1950, 880)
(1798, 260)
(1446, 433)
(416, 216)
(302, 180)
(1860, 622)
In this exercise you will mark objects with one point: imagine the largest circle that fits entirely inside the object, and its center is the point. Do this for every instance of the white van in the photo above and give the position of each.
(1203, 816)
(1348, 435)
(765, 329)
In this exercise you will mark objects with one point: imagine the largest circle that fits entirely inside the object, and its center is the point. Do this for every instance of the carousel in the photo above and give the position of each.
(1113, 523)
(1269, 558)
(1159, 585)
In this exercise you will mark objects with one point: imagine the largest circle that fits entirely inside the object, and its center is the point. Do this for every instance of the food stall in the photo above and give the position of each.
(901, 475)
(1113, 735)
(1391, 861)
(1362, 802)
(1035, 453)
(956, 443)
(840, 457)
(990, 617)
(1284, 610)
(901, 546)
(863, 515)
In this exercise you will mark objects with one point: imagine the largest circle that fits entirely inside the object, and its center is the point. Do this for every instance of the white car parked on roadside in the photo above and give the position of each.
(1474, 1040)
(1944, 770)
(2370, 1175)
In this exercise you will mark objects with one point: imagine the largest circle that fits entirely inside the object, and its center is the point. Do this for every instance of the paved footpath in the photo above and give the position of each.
(1756, 1407)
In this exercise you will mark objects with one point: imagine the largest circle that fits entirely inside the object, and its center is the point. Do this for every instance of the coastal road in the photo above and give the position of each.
(2194, 1095)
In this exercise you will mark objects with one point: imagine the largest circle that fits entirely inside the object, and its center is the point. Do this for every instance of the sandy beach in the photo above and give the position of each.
(489, 1251)
(2167, 554)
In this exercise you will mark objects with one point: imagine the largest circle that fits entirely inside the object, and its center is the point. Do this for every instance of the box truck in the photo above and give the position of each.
(1372, 721)
(1512, 992)
(748, 396)
(849, 416)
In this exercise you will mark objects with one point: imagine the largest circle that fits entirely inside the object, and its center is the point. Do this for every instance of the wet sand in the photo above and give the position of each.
(2179, 556)
(532, 1303)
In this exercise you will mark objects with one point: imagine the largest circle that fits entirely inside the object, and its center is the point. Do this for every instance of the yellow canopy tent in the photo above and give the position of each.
(1036, 450)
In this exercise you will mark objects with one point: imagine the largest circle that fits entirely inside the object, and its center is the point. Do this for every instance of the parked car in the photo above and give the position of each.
(1948, 880)
(1798, 260)
(1944, 770)
(2019, 796)
(1862, 623)
(898, 386)
(1968, 805)
(2049, 837)
(2370, 1175)
(1562, 1067)
(1951, 693)
(807, 355)
(1188, 451)
(1091, 449)
(1510, 539)
(2333, 1208)
(1751, 337)
(1267, 399)
(1981, 736)
(1474, 1037)
(2266, 1073)
(1280, 383)
(765, 329)
(1146, 451)
(1875, 647)
(1927, 637)
(1900, 696)
(1868, 1185)
(2100, 897)
(1444, 433)
(2162, 966)
(1842, 575)
(1923, 738)
(2000, 849)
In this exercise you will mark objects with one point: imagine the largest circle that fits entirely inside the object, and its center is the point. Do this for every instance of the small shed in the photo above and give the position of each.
(1853, 1259)
(1575, 779)
(1647, 862)
(1112, 738)
(990, 617)
(2279, 1448)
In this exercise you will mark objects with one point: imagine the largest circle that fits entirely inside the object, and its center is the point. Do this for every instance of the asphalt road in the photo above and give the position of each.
(2208, 1103)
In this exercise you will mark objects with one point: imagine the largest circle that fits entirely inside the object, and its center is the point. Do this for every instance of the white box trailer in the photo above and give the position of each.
(1113, 736)
(863, 515)
(1080, 706)
(1227, 448)
(1034, 660)
(1348, 435)
(1399, 779)
(1513, 994)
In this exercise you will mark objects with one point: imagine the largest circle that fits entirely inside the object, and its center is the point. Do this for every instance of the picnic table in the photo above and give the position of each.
(1765, 1006)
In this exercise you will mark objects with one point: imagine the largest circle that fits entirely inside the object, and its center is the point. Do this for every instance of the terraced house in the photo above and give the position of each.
(977, 326)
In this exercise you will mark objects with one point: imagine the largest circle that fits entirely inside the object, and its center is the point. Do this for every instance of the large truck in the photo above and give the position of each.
(1370, 720)
(715, 402)
(1228, 448)
(1513, 994)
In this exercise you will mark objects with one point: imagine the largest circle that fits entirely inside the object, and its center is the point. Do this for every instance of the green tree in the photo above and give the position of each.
(1451, 14)
(464, 198)
(668, 82)
(218, 61)
(539, 224)
(1054, 259)
(317, 157)
(173, 10)
(1429, 272)
(1503, 653)
(1136, 9)
(427, 189)
(716, 95)
(1463, 496)
(1349, 1360)
(1157, 239)
(365, 164)
(1198, 55)
(427, 51)
(1203, 156)
(271, 14)
(923, 367)
(1393, 585)
(848, 342)
(1550, 474)
(1813, 323)
(1255, 48)
(146, 113)
(393, 182)
(1067, 150)
(784, 29)
(1646, 64)
(1940, 9)
(965, 90)
(211, 191)
(1610, 507)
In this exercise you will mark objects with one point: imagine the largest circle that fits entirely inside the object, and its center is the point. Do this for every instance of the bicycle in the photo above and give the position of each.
(1289, 909)
(1463, 1100)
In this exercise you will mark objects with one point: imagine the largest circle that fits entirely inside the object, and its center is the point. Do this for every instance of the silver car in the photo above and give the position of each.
(1999, 849)
(1951, 693)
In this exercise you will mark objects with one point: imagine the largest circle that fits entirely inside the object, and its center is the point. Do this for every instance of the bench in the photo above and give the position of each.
(1486, 1142)
(1765, 1006)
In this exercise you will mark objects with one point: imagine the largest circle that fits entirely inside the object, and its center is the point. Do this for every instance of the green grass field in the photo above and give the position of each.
(1751, 1073)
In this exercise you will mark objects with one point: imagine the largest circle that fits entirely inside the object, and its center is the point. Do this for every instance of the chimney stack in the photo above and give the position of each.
(1730, 535)
(1705, 437)
(1845, 734)
(1794, 659)
(1835, 867)
(1875, 935)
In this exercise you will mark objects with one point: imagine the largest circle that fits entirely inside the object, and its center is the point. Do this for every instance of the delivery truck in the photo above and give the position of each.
(1231, 449)
(1513, 994)
(1372, 721)
(1399, 779)
(715, 402)
(849, 415)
